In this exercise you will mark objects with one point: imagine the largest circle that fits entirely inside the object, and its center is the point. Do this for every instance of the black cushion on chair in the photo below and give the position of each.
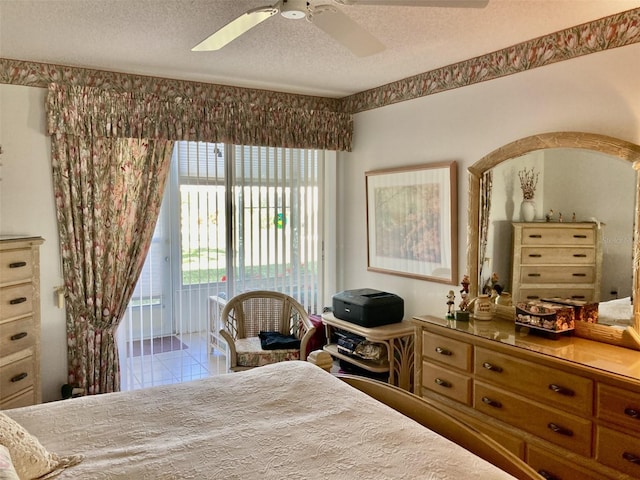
(278, 341)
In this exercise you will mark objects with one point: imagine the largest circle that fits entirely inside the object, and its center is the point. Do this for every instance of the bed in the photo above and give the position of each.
(286, 420)
(616, 312)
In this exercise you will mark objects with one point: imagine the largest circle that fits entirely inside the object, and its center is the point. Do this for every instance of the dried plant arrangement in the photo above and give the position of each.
(528, 182)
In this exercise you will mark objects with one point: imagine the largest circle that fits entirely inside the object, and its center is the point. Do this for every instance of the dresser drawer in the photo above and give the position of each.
(558, 236)
(557, 274)
(15, 265)
(557, 255)
(619, 406)
(16, 300)
(16, 376)
(554, 387)
(24, 399)
(446, 350)
(514, 444)
(456, 386)
(17, 335)
(552, 467)
(561, 428)
(528, 293)
(618, 450)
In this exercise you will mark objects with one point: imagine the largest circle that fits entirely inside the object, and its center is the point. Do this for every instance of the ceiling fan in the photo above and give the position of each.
(327, 17)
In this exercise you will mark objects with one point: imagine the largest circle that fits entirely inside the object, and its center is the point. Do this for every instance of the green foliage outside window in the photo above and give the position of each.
(202, 265)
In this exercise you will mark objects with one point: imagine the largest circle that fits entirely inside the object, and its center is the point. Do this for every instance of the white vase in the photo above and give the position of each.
(528, 210)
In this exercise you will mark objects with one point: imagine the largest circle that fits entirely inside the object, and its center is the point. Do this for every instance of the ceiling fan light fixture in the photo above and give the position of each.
(293, 9)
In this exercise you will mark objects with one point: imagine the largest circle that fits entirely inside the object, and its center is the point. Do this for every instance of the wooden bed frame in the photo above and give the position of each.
(430, 416)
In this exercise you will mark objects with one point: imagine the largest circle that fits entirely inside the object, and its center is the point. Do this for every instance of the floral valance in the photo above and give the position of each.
(81, 110)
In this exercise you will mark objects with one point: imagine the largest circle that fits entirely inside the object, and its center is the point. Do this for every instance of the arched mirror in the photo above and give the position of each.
(578, 177)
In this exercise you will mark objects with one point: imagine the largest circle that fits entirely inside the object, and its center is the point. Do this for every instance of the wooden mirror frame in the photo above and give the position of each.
(630, 152)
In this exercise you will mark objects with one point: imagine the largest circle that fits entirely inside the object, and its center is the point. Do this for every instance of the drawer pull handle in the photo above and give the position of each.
(562, 390)
(492, 367)
(533, 274)
(580, 255)
(491, 403)
(579, 274)
(533, 297)
(20, 376)
(18, 336)
(579, 236)
(535, 255)
(17, 264)
(443, 351)
(547, 475)
(632, 412)
(18, 300)
(535, 236)
(578, 297)
(561, 430)
(630, 457)
(442, 383)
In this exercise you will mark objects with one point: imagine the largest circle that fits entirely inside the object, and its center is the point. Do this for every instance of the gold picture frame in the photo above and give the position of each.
(412, 221)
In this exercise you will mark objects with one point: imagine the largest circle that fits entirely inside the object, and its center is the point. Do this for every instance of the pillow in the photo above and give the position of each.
(30, 459)
(7, 472)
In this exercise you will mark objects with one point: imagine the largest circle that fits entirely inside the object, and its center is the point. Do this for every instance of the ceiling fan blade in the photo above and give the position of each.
(419, 3)
(344, 30)
(235, 28)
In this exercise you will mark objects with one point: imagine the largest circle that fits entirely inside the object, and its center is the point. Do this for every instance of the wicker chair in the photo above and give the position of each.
(247, 314)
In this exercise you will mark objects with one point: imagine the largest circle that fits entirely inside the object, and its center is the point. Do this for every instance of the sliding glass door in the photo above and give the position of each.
(234, 218)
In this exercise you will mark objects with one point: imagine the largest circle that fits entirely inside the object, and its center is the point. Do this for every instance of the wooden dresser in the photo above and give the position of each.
(556, 260)
(569, 407)
(19, 321)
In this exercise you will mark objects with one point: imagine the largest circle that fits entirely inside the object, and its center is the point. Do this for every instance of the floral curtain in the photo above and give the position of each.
(486, 186)
(108, 192)
(134, 114)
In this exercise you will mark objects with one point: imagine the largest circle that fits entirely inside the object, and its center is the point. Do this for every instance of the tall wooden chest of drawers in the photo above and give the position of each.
(556, 260)
(19, 321)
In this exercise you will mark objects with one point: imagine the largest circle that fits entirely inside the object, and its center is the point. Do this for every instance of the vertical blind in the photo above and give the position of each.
(276, 222)
(234, 218)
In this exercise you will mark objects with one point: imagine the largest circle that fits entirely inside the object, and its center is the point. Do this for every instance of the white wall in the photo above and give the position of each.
(26, 207)
(597, 93)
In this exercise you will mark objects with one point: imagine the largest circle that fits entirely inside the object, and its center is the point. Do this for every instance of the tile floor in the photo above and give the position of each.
(176, 366)
(172, 367)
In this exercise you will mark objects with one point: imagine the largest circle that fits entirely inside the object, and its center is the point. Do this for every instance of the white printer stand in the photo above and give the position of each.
(399, 339)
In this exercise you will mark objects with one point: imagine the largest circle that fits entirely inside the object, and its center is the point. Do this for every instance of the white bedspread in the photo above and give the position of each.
(288, 420)
(615, 312)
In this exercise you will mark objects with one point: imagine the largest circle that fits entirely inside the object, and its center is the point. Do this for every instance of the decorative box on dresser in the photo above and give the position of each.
(19, 321)
(556, 260)
(569, 407)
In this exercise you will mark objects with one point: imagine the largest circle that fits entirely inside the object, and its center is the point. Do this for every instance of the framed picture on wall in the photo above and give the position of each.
(412, 221)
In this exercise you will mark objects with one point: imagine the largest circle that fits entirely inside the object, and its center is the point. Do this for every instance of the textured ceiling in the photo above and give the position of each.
(154, 37)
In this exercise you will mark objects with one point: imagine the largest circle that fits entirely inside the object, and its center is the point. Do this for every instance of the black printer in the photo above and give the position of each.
(368, 307)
